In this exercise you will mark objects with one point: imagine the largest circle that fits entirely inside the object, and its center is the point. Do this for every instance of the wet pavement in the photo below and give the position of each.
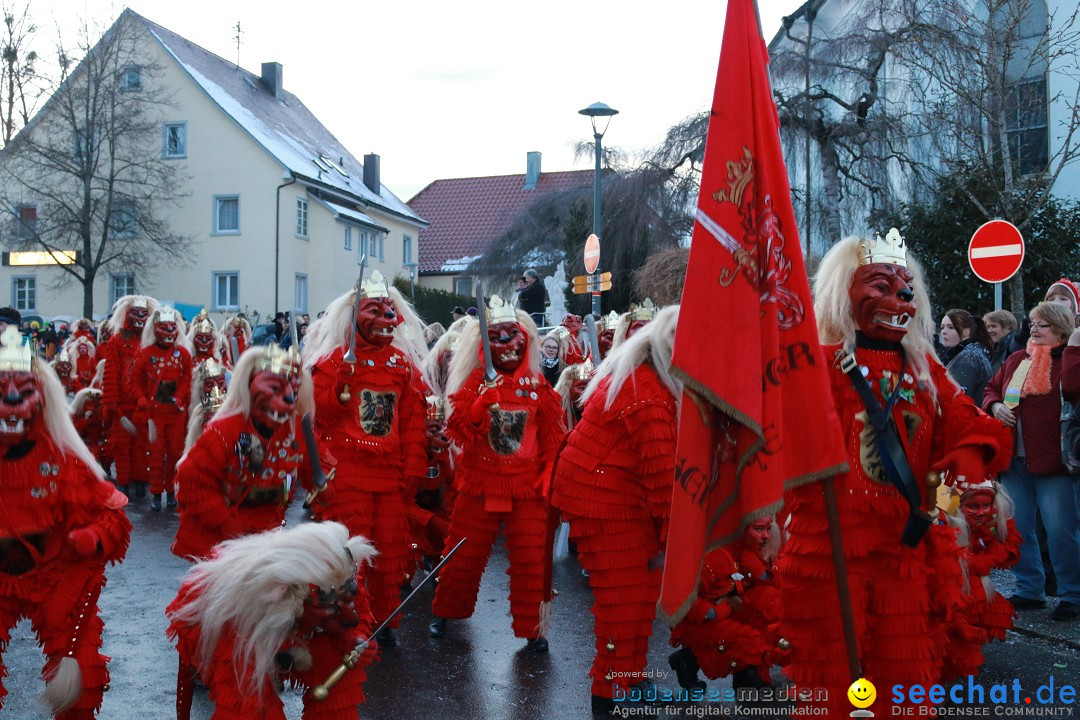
(478, 671)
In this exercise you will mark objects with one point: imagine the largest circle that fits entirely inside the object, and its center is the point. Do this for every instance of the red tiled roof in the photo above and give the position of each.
(465, 215)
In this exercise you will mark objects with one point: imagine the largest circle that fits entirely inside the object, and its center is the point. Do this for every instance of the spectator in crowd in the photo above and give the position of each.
(551, 356)
(456, 314)
(432, 333)
(533, 298)
(471, 312)
(1065, 292)
(967, 352)
(9, 316)
(1026, 394)
(1000, 325)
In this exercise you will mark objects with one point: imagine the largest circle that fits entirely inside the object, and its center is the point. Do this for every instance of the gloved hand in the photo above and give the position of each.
(488, 399)
(84, 540)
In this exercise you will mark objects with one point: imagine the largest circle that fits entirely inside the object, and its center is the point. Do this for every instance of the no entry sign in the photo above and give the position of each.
(996, 251)
(592, 254)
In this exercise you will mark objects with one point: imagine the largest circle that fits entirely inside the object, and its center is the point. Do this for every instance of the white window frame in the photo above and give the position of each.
(382, 246)
(30, 292)
(373, 246)
(406, 250)
(461, 279)
(115, 282)
(216, 206)
(217, 275)
(181, 132)
(301, 217)
(300, 293)
(126, 75)
(348, 237)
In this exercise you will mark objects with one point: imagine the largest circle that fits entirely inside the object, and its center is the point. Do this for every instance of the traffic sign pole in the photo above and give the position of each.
(997, 296)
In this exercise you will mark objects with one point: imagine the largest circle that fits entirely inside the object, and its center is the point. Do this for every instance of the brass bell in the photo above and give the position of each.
(783, 644)
(733, 663)
(105, 687)
(610, 646)
(720, 648)
(609, 677)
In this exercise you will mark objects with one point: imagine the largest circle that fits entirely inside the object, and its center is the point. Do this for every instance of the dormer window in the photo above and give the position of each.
(131, 78)
(327, 161)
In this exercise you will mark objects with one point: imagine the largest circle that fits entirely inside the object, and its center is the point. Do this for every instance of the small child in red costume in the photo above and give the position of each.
(82, 349)
(60, 525)
(240, 473)
(204, 338)
(283, 605)
(992, 543)
(236, 337)
(612, 483)
(86, 416)
(118, 352)
(507, 430)
(65, 371)
(731, 628)
(160, 381)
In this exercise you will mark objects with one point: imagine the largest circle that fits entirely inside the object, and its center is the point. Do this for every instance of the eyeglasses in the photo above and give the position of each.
(1040, 326)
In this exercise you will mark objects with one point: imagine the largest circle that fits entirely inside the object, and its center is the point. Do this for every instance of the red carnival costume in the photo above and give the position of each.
(993, 542)
(867, 295)
(731, 627)
(605, 328)
(160, 381)
(370, 423)
(83, 350)
(236, 331)
(278, 606)
(507, 432)
(60, 525)
(118, 352)
(637, 317)
(239, 475)
(205, 340)
(612, 483)
(65, 371)
(87, 417)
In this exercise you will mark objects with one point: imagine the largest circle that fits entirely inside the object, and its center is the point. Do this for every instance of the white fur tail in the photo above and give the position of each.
(64, 687)
(562, 542)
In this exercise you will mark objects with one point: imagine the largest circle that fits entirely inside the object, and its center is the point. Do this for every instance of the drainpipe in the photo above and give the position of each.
(287, 175)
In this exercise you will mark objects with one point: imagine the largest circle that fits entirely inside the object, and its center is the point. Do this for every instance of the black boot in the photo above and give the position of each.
(437, 627)
(747, 678)
(602, 705)
(538, 645)
(155, 502)
(170, 501)
(140, 491)
(386, 638)
(685, 665)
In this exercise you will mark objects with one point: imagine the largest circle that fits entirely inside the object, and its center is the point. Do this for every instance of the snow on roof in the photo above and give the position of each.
(341, 211)
(285, 127)
(459, 264)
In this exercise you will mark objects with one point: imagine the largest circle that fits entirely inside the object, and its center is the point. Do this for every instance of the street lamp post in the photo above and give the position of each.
(594, 111)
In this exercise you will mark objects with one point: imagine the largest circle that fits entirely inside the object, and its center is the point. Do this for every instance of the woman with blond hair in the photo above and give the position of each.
(1026, 395)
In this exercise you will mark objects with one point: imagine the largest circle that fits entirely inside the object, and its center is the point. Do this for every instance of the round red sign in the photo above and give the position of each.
(996, 251)
(592, 254)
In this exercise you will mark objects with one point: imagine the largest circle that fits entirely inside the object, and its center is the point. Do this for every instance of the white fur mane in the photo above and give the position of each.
(121, 307)
(653, 343)
(58, 420)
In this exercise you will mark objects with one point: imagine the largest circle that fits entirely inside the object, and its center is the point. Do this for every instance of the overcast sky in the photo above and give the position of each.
(442, 89)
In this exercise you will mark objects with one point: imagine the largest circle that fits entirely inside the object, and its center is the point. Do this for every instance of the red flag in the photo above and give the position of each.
(757, 413)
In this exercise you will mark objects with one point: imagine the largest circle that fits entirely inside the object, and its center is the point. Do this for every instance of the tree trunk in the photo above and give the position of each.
(830, 180)
(88, 294)
(1016, 295)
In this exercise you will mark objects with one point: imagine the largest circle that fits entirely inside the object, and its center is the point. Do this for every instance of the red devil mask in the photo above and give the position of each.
(165, 334)
(63, 369)
(20, 405)
(273, 398)
(605, 341)
(508, 344)
(573, 323)
(757, 536)
(135, 320)
(978, 507)
(376, 320)
(635, 326)
(882, 301)
(203, 343)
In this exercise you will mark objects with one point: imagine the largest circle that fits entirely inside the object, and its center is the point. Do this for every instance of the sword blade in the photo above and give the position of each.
(350, 356)
(594, 341)
(481, 315)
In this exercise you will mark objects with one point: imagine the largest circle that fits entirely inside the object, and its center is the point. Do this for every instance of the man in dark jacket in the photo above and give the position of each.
(533, 297)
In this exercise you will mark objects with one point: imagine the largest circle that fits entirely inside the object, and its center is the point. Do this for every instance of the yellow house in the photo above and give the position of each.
(275, 210)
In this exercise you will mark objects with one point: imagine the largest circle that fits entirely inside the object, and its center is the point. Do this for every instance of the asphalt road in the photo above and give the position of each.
(479, 671)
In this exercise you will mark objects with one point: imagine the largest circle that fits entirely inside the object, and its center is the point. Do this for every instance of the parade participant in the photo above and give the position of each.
(118, 352)
(87, 417)
(65, 371)
(369, 419)
(574, 340)
(637, 317)
(506, 421)
(612, 483)
(61, 525)
(278, 607)
(239, 475)
(874, 322)
(208, 391)
(83, 328)
(160, 381)
(239, 329)
(731, 627)
(986, 515)
(606, 327)
(438, 360)
(571, 386)
(82, 349)
(204, 339)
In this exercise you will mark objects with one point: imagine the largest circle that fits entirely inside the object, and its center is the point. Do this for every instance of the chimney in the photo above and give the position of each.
(271, 77)
(532, 169)
(371, 173)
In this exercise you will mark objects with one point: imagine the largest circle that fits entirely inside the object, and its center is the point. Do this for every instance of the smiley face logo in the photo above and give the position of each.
(862, 693)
